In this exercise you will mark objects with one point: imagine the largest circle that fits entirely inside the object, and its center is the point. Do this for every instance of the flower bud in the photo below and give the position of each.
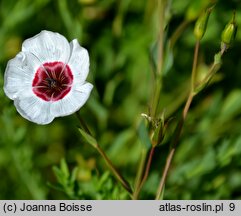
(201, 24)
(229, 32)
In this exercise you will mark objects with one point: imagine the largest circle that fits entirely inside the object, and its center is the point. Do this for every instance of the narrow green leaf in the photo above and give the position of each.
(89, 139)
(64, 168)
(231, 106)
(168, 58)
(59, 175)
(55, 187)
(143, 135)
(74, 174)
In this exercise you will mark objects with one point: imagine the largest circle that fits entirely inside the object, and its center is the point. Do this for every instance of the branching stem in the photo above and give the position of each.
(178, 130)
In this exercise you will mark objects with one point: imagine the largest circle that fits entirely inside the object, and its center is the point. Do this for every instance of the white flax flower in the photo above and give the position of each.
(47, 78)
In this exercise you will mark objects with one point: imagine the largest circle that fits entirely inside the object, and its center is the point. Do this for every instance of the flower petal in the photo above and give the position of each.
(73, 101)
(34, 109)
(79, 62)
(19, 75)
(48, 46)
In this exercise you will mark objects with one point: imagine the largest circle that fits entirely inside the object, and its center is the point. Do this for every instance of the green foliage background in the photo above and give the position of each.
(121, 36)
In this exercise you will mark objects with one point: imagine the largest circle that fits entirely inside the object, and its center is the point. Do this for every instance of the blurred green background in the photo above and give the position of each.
(121, 36)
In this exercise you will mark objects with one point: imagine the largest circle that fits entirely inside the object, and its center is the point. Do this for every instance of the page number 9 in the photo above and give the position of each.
(231, 206)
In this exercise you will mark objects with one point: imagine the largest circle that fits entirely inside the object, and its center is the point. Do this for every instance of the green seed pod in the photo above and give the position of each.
(201, 24)
(229, 32)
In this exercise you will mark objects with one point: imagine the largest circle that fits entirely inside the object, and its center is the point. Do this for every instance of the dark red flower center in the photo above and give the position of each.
(52, 81)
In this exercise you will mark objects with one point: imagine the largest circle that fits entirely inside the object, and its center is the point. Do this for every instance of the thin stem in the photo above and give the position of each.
(214, 68)
(157, 92)
(82, 123)
(178, 32)
(178, 130)
(164, 174)
(148, 166)
(187, 106)
(177, 134)
(158, 81)
(162, 7)
(109, 163)
(120, 178)
(194, 66)
(140, 172)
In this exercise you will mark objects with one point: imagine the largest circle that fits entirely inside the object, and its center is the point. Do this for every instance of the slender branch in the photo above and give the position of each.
(187, 106)
(157, 92)
(140, 172)
(213, 69)
(148, 166)
(119, 177)
(178, 32)
(109, 163)
(162, 7)
(140, 179)
(82, 123)
(178, 130)
(194, 66)
(160, 51)
(177, 134)
(164, 174)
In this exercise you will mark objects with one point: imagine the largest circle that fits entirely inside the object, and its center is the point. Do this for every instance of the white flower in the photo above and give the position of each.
(47, 78)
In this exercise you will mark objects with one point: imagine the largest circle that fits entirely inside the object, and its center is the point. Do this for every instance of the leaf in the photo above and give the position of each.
(64, 168)
(74, 174)
(59, 175)
(143, 135)
(168, 58)
(89, 139)
(55, 186)
(231, 106)
(225, 153)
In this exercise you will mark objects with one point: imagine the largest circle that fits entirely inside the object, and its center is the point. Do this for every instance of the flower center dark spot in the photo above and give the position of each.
(52, 81)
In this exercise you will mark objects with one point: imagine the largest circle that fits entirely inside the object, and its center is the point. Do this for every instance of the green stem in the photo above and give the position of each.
(177, 135)
(213, 69)
(119, 177)
(158, 81)
(157, 91)
(178, 130)
(161, 7)
(82, 123)
(110, 165)
(194, 66)
(140, 172)
(178, 32)
(148, 166)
